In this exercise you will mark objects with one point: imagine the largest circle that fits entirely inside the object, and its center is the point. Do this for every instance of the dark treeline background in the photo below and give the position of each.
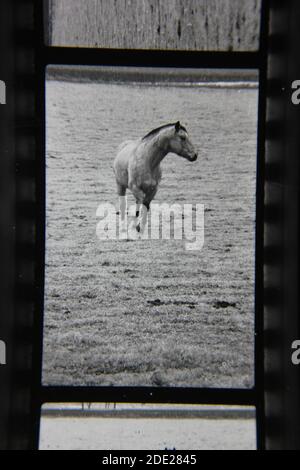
(156, 24)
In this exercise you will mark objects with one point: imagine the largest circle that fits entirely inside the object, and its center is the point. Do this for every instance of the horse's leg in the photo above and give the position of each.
(142, 217)
(139, 198)
(122, 205)
(137, 209)
(146, 207)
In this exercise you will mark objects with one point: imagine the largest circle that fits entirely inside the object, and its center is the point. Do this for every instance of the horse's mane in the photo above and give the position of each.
(158, 129)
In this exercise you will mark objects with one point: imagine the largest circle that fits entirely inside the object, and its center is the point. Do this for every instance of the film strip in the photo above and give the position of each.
(22, 144)
(280, 377)
(25, 389)
(22, 130)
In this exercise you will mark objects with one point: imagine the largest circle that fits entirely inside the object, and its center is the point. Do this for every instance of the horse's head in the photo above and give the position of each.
(181, 144)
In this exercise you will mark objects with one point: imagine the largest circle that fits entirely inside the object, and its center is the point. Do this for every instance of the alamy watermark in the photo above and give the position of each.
(163, 222)
(296, 93)
(2, 92)
(2, 353)
(296, 354)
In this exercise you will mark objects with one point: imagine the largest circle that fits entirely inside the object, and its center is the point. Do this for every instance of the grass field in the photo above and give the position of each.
(149, 312)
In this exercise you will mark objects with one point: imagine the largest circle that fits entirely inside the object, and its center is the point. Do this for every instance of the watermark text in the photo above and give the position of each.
(163, 222)
(2, 92)
(296, 93)
(2, 353)
(296, 354)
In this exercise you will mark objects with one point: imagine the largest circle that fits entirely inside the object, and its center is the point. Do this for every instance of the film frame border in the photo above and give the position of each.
(29, 90)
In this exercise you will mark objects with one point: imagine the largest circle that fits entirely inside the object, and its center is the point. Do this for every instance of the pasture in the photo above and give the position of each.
(149, 312)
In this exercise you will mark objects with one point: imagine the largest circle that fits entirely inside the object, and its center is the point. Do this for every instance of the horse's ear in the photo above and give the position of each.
(177, 126)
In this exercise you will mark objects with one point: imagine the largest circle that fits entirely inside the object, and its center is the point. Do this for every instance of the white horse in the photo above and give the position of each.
(137, 165)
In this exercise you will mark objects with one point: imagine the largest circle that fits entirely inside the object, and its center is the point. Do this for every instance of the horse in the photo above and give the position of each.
(137, 165)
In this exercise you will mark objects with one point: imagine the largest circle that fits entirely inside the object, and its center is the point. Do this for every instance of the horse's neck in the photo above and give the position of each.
(156, 150)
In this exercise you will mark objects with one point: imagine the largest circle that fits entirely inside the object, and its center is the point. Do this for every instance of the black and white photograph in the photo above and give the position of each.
(149, 311)
(170, 303)
(149, 214)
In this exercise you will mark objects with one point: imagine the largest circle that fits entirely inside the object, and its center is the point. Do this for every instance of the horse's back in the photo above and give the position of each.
(126, 143)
